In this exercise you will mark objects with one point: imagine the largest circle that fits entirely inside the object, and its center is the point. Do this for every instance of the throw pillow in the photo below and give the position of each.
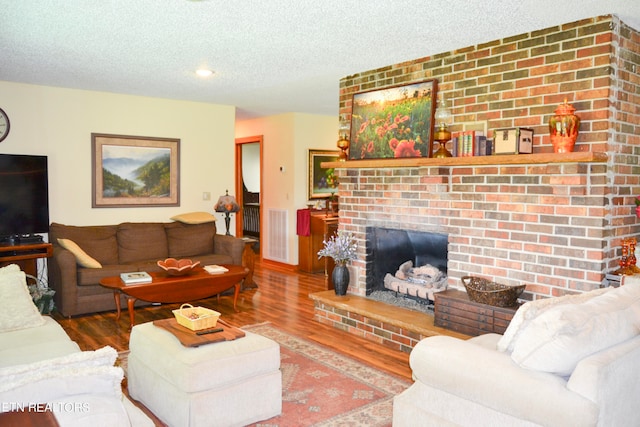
(190, 240)
(559, 338)
(530, 310)
(18, 311)
(194, 218)
(99, 241)
(47, 386)
(105, 356)
(11, 268)
(141, 241)
(82, 258)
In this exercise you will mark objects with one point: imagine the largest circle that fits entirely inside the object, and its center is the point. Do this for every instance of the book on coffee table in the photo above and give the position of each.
(135, 277)
(215, 269)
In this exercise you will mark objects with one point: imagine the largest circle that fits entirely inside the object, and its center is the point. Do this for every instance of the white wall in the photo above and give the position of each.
(58, 123)
(287, 139)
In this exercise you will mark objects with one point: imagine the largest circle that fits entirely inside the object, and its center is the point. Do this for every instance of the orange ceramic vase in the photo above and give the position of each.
(563, 128)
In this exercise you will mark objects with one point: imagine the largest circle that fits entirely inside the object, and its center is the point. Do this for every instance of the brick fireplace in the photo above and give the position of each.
(553, 222)
(542, 225)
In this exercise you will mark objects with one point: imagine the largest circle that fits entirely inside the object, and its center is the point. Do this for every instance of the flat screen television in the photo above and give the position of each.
(24, 198)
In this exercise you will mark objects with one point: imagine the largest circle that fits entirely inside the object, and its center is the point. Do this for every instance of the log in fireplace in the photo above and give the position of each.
(388, 249)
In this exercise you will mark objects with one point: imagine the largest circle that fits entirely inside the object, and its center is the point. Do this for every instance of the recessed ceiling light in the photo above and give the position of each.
(204, 72)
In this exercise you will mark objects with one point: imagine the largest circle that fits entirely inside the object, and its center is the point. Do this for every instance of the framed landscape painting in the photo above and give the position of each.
(322, 181)
(394, 122)
(134, 171)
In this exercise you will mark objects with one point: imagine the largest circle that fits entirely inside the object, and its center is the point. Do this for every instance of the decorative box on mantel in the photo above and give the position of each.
(513, 141)
(454, 310)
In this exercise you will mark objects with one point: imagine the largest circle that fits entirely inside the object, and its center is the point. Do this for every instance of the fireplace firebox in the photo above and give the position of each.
(387, 249)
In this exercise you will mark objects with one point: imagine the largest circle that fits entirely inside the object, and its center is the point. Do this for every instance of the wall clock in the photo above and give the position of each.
(4, 125)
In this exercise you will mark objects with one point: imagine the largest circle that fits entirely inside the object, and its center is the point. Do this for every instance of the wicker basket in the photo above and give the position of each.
(491, 293)
(206, 318)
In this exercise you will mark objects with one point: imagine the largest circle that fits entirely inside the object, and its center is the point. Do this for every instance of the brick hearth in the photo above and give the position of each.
(394, 327)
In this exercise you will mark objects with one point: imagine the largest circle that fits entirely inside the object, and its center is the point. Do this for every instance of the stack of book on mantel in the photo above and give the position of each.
(470, 143)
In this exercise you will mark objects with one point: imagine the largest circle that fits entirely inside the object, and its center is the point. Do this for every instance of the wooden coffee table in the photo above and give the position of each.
(173, 289)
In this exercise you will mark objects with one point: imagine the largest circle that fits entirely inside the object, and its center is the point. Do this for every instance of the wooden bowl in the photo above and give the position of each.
(178, 267)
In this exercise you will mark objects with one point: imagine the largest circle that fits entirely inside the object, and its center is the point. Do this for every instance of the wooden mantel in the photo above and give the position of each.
(512, 159)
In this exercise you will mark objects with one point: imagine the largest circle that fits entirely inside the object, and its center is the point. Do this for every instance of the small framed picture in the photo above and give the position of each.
(513, 141)
(323, 182)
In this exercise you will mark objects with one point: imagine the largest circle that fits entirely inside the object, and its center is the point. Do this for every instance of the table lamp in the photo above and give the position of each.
(228, 205)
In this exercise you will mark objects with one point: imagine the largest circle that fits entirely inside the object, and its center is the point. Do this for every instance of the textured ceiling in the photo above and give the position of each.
(269, 56)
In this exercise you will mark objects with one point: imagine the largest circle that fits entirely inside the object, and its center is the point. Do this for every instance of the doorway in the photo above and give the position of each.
(249, 188)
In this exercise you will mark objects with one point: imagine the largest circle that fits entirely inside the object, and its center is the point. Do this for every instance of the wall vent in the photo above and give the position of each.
(277, 249)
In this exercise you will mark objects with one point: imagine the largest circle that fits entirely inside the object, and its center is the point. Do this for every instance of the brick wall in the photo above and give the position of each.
(555, 227)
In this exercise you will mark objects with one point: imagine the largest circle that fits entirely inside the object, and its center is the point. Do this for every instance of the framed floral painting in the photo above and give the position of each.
(322, 181)
(393, 122)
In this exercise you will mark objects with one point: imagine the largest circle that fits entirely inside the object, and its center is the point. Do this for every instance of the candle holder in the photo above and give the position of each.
(343, 145)
(628, 260)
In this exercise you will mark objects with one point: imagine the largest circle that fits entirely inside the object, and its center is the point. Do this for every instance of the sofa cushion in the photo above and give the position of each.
(194, 218)
(141, 241)
(105, 356)
(532, 309)
(34, 344)
(213, 259)
(92, 276)
(82, 258)
(186, 240)
(559, 338)
(48, 380)
(482, 375)
(98, 241)
(94, 410)
(18, 311)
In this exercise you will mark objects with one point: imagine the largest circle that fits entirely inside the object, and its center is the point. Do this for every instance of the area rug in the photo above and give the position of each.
(321, 387)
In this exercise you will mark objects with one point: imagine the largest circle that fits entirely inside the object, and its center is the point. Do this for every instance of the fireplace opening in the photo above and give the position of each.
(415, 261)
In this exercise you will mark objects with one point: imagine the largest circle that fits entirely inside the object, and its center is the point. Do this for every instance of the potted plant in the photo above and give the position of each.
(637, 200)
(342, 248)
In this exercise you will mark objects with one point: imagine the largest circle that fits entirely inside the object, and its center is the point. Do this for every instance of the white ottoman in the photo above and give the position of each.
(230, 383)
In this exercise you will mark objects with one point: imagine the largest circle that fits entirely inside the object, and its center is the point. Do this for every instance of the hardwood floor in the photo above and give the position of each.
(282, 298)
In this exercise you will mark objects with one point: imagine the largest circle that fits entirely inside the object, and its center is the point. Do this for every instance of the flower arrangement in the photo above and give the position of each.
(637, 200)
(341, 247)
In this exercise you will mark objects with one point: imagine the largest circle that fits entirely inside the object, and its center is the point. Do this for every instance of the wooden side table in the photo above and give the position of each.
(322, 227)
(454, 310)
(25, 256)
(249, 261)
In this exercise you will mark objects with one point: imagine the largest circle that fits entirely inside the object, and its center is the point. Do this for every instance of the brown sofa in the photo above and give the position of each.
(128, 247)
